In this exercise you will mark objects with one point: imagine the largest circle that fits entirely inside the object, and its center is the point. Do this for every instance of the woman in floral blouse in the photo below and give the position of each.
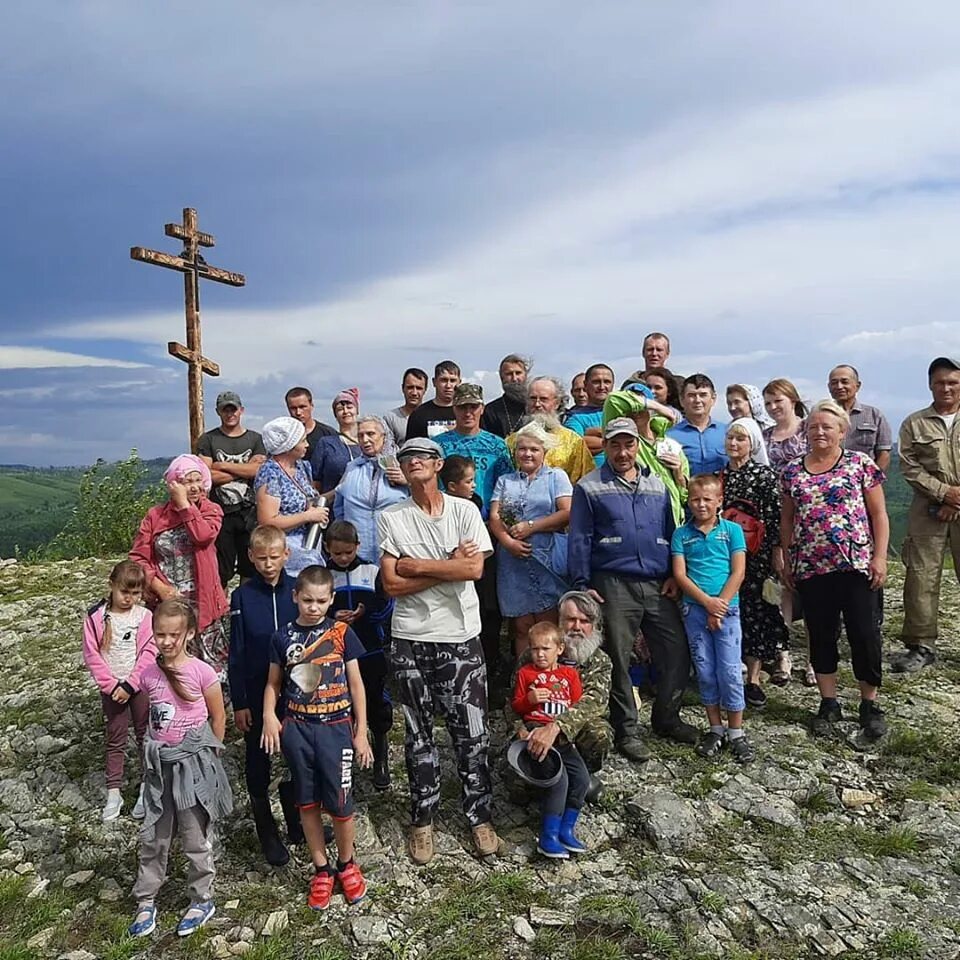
(285, 494)
(834, 534)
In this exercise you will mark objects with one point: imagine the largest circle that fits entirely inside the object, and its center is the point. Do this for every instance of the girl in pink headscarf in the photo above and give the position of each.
(176, 546)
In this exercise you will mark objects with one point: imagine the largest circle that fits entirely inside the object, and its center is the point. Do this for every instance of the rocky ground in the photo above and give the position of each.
(818, 849)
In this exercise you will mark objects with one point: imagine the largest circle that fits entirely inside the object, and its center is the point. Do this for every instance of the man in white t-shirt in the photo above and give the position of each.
(432, 549)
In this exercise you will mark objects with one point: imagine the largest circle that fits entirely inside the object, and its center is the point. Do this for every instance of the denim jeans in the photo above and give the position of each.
(716, 655)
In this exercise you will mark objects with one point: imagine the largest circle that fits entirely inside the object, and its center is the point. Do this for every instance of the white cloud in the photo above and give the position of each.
(33, 358)
(761, 221)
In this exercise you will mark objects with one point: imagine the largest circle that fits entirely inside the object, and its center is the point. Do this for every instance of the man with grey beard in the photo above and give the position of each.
(544, 398)
(503, 415)
(584, 723)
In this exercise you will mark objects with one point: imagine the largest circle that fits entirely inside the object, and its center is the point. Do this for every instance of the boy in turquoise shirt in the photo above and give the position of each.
(709, 561)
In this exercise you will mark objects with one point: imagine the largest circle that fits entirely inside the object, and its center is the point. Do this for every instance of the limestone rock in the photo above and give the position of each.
(110, 891)
(858, 799)
(16, 796)
(369, 931)
(523, 930)
(277, 921)
(545, 917)
(39, 888)
(219, 947)
(667, 820)
(741, 795)
(46, 744)
(78, 879)
(40, 940)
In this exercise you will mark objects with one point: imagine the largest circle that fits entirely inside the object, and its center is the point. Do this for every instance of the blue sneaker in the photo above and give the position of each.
(145, 922)
(195, 917)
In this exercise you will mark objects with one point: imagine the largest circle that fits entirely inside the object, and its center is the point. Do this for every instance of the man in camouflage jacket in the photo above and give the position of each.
(585, 723)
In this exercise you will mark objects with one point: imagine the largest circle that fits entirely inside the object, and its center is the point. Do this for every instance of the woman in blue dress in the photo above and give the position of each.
(286, 497)
(529, 511)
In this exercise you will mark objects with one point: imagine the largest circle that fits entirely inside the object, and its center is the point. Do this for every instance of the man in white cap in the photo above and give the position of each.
(234, 454)
(432, 549)
(930, 461)
(621, 522)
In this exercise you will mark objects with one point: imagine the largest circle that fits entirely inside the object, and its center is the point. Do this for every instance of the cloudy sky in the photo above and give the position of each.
(776, 186)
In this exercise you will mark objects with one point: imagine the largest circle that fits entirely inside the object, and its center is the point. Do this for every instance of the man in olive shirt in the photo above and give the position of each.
(930, 462)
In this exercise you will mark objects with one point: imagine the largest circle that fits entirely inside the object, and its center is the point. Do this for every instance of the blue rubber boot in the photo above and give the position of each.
(548, 844)
(567, 835)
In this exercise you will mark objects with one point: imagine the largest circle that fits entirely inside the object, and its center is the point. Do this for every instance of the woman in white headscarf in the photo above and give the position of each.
(750, 486)
(286, 497)
(746, 400)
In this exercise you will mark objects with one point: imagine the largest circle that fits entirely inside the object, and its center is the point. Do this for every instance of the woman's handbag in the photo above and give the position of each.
(746, 514)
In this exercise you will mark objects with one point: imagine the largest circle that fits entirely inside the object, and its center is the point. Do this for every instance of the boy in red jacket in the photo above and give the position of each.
(546, 687)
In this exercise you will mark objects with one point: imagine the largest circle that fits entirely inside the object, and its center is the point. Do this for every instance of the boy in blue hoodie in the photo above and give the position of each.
(258, 608)
(360, 601)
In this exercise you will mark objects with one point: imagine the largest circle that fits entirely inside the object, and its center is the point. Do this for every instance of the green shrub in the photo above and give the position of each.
(112, 501)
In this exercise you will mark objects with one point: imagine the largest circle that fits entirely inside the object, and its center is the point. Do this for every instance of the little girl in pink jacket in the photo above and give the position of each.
(117, 645)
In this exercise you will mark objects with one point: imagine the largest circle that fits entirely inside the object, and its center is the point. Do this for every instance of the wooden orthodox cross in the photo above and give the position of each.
(194, 268)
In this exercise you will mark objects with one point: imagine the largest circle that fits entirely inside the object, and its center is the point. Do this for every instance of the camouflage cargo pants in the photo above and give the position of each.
(449, 679)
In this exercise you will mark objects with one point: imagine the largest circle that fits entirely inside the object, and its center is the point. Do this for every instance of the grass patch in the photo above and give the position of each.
(816, 803)
(914, 790)
(901, 945)
(831, 840)
(469, 921)
(924, 754)
(701, 785)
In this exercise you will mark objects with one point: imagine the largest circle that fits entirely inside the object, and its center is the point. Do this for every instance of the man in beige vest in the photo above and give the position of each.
(930, 461)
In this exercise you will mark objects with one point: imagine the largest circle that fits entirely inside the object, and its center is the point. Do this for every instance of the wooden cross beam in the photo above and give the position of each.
(194, 268)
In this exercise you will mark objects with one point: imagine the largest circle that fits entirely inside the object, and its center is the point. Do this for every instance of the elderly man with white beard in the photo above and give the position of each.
(571, 454)
(585, 723)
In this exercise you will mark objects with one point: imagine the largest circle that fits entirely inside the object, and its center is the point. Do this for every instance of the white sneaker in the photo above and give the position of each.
(138, 812)
(113, 806)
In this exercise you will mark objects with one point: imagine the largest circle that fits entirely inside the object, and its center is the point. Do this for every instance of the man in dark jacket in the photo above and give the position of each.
(621, 521)
(504, 415)
(258, 608)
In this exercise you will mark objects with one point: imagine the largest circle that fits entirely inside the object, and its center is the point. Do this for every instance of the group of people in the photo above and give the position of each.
(379, 559)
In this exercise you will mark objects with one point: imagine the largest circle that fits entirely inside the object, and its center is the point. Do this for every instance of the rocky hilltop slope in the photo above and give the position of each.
(821, 848)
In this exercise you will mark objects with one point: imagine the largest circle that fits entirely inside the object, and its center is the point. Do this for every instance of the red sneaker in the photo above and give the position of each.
(321, 890)
(352, 882)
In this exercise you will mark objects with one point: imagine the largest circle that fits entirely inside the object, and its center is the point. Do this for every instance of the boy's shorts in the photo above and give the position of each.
(320, 756)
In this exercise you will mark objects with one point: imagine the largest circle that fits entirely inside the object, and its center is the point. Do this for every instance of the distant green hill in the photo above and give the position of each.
(36, 502)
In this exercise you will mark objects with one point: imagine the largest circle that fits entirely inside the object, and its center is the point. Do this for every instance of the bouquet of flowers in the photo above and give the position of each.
(511, 512)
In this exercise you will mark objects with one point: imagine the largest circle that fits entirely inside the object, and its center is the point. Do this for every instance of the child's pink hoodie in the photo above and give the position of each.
(99, 668)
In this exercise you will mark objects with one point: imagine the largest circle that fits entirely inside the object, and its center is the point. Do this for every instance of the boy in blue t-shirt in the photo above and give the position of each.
(314, 661)
(709, 561)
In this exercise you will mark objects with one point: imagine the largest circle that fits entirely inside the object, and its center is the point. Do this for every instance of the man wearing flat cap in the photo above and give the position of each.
(930, 462)
(234, 454)
(618, 550)
(432, 550)
(489, 452)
